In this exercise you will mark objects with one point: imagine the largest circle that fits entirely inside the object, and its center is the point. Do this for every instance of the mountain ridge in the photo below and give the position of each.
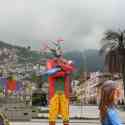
(89, 60)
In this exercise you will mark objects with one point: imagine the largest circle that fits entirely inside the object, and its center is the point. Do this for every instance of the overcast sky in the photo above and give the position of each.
(80, 23)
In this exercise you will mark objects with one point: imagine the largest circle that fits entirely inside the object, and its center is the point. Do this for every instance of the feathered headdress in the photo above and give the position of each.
(55, 47)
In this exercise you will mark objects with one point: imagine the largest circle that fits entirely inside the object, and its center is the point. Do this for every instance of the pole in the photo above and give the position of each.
(82, 89)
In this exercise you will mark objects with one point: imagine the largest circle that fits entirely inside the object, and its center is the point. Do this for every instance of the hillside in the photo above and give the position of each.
(93, 60)
(5, 45)
(89, 61)
(24, 54)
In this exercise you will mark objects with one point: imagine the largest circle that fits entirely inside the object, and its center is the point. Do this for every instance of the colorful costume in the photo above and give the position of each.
(59, 91)
(58, 71)
(109, 98)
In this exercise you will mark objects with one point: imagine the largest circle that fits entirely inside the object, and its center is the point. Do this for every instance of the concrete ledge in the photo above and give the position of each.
(72, 118)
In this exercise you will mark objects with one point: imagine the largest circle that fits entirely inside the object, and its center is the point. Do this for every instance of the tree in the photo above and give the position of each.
(113, 45)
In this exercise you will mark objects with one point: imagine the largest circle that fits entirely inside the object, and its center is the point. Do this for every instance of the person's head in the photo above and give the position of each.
(111, 90)
(55, 49)
(109, 96)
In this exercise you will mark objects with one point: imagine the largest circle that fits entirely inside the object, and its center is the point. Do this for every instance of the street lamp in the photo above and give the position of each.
(82, 87)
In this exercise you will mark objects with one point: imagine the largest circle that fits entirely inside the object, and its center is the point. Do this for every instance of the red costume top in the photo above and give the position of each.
(64, 73)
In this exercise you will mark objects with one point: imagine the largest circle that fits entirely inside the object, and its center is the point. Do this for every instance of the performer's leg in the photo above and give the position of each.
(66, 123)
(52, 123)
(64, 109)
(53, 109)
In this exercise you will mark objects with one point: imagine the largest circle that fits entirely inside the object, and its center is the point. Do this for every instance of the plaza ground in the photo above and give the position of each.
(89, 112)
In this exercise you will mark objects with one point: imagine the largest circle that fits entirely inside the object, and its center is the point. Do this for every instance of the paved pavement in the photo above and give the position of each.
(43, 122)
(79, 111)
(86, 111)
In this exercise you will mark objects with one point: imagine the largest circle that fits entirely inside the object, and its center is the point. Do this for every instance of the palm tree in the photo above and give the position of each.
(113, 45)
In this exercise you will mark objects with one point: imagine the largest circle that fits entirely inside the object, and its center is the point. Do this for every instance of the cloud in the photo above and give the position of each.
(80, 22)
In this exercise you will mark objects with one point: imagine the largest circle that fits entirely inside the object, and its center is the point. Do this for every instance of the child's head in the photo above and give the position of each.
(109, 96)
(110, 93)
